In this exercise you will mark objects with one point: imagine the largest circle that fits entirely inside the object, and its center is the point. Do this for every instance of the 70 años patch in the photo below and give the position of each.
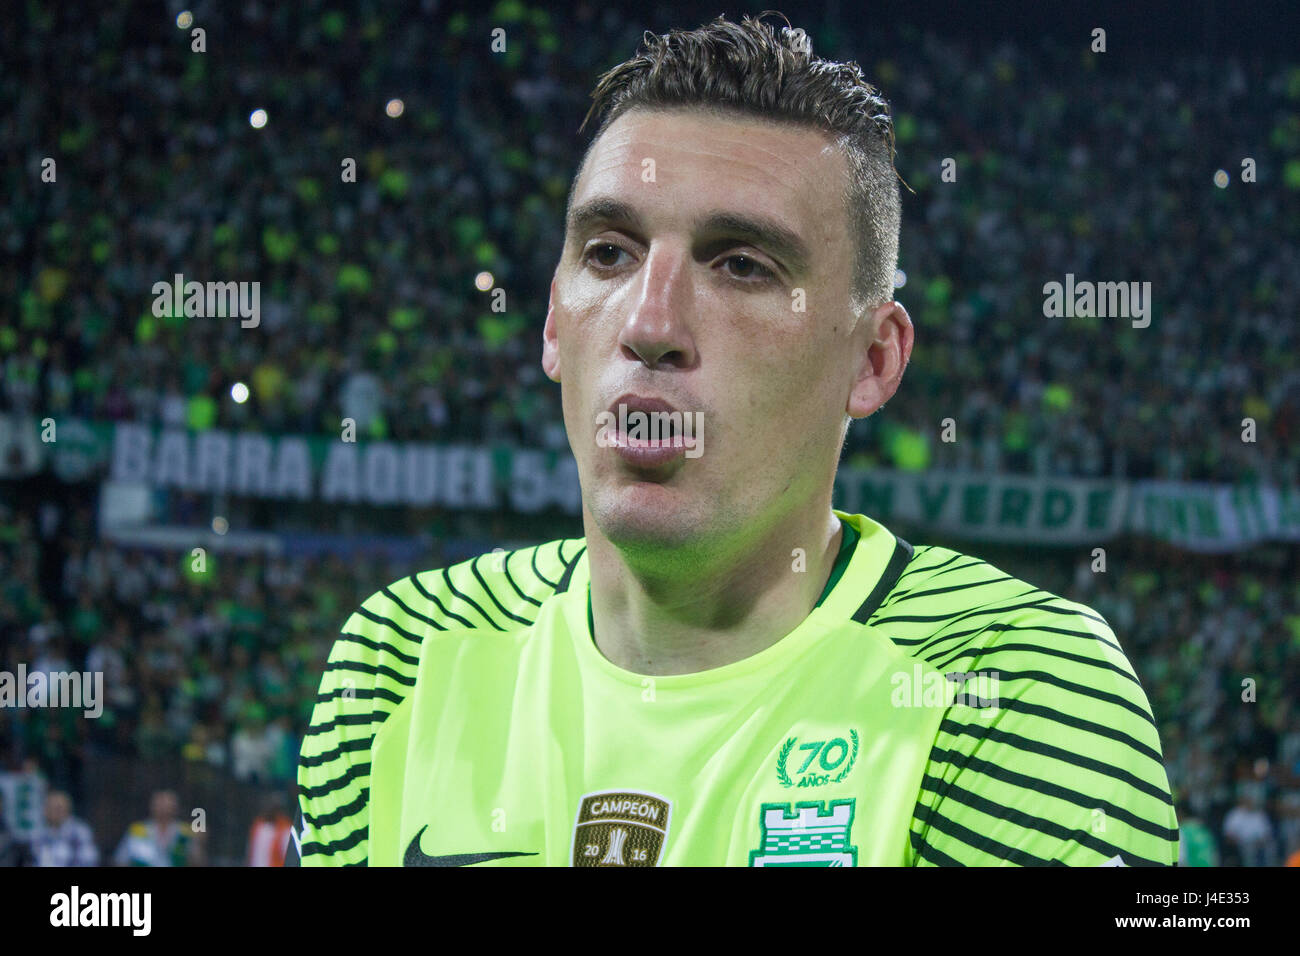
(815, 833)
(620, 828)
(836, 754)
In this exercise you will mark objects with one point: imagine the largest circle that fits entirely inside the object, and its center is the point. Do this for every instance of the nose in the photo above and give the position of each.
(657, 330)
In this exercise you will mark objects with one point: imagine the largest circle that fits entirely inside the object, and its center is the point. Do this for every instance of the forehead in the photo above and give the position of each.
(720, 160)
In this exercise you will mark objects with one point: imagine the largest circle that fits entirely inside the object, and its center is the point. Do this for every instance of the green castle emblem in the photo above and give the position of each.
(815, 833)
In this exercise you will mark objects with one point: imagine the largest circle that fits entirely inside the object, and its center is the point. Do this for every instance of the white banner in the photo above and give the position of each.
(992, 507)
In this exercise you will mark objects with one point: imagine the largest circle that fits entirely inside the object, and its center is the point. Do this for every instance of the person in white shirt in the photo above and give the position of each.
(64, 840)
(1247, 827)
(161, 840)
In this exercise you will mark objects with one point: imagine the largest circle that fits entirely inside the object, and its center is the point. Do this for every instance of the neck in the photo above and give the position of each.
(666, 616)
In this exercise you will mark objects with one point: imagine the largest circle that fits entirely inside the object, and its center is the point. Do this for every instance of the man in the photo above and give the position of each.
(1196, 846)
(23, 792)
(161, 840)
(13, 851)
(65, 840)
(724, 670)
(269, 835)
(1248, 829)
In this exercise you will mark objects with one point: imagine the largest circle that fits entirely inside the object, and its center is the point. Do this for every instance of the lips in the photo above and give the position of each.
(647, 454)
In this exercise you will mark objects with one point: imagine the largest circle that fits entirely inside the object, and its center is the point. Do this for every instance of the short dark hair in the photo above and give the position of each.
(748, 68)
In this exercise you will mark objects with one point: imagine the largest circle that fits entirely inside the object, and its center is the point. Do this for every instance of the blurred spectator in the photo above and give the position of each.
(268, 837)
(13, 851)
(23, 794)
(204, 755)
(1195, 841)
(65, 840)
(161, 840)
(1248, 829)
(253, 747)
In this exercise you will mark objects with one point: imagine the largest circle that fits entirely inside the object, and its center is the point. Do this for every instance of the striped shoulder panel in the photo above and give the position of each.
(372, 668)
(1050, 754)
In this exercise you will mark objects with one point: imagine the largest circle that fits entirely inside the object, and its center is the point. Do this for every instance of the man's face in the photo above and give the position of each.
(163, 806)
(57, 809)
(661, 297)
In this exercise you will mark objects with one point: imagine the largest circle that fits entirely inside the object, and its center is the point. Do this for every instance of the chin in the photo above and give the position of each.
(647, 515)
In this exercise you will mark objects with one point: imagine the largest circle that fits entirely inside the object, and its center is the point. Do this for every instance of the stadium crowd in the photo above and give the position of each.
(369, 311)
(222, 668)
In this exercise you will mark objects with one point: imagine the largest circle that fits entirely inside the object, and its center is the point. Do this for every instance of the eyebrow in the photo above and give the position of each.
(784, 243)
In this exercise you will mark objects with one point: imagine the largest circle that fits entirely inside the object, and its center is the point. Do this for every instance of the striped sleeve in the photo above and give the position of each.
(1052, 756)
(371, 670)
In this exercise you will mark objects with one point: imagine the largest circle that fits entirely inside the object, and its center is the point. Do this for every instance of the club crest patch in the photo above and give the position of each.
(620, 828)
(815, 833)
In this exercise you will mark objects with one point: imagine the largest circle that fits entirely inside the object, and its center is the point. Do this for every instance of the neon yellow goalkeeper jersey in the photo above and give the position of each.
(931, 709)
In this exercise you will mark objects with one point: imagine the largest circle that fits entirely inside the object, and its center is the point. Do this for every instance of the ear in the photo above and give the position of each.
(884, 356)
(550, 341)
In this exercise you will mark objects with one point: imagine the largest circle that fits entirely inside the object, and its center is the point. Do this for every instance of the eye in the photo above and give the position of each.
(751, 267)
(604, 248)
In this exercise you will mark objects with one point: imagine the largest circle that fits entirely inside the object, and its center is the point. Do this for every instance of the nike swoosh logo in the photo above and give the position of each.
(417, 857)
